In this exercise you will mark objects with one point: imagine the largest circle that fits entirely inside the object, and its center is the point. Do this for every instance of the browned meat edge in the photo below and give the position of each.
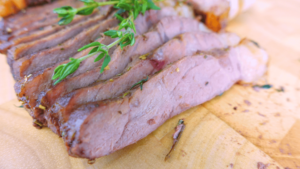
(41, 60)
(21, 50)
(37, 2)
(31, 19)
(50, 28)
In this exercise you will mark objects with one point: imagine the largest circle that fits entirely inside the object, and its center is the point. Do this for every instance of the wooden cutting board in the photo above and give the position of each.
(243, 128)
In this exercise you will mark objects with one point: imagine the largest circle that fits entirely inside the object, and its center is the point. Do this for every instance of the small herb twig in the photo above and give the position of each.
(125, 33)
(140, 83)
(266, 86)
(176, 136)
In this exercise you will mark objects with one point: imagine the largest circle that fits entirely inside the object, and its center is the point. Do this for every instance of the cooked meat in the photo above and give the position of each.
(40, 33)
(41, 60)
(24, 49)
(180, 66)
(100, 128)
(166, 29)
(32, 18)
(8, 7)
(185, 45)
(36, 85)
(29, 89)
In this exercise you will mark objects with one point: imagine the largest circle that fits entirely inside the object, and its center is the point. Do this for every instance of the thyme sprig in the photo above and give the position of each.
(125, 33)
(67, 13)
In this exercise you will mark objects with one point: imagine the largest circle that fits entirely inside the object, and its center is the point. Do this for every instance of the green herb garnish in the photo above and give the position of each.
(140, 83)
(125, 33)
(266, 86)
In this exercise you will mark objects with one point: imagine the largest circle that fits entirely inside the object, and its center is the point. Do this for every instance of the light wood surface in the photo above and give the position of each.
(236, 130)
(206, 143)
(7, 92)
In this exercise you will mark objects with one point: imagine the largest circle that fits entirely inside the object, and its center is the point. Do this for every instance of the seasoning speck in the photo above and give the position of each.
(143, 57)
(125, 94)
(177, 69)
(91, 161)
(106, 68)
(261, 114)
(111, 80)
(8, 30)
(247, 102)
(206, 83)
(42, 107)
(37, 124)
(261, 165)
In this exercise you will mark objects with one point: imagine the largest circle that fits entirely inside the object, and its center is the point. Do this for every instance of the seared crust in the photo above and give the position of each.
(37, 2)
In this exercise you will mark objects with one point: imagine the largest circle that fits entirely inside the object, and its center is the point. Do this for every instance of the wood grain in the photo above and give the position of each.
(219, 133)
(206, 143)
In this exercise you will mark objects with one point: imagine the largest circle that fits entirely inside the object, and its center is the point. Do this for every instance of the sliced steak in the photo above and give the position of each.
(40, 33)
(184, 45)
(166, 29)
(29, 90)
(100, 128)
(32, 18)
(41, 60)
(24, 49)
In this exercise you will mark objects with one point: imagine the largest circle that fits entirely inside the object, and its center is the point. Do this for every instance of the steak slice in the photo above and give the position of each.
(32, 18)
(29, 89)
(100, 128)
(41, 60)
(43, 29)
(184, 45)
(21, 50)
